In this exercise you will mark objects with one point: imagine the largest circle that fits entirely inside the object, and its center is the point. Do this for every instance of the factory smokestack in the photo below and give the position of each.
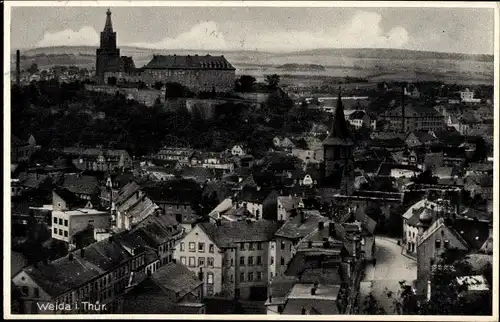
(403, 125)
(18, 67)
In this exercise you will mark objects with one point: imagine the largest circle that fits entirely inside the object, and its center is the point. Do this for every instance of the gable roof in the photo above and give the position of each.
(177, 278)
(78, 184)
(289, 202)
(367, 222)
(189, 62)
(228, 233)
(295, 228)
(436, 225)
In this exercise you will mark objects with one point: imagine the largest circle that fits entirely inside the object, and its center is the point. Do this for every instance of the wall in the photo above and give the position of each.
(244, 286)
(197, 235)
(196, 80)
(428, 250)
(280, 248)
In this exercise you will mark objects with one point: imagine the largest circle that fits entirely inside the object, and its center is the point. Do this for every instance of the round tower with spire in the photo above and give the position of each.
(107, 55)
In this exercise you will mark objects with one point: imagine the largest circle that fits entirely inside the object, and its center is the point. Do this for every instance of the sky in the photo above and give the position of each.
(455, 30)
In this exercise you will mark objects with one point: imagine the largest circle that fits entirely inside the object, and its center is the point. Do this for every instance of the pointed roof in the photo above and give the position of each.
(108, 27)
(339, 134)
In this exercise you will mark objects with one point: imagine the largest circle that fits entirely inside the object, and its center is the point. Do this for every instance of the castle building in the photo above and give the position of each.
(199, 73)
(338, 150)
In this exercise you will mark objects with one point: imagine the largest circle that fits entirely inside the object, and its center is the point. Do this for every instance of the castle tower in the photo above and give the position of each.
(107, 55)
(338, 148)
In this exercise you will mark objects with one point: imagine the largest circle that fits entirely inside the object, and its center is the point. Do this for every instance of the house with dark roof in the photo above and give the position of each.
(100, 272)
(98, 159)
(288, 236)
(21, 150)
(173, 289)
(432, 243)
(420, 138)
(85, 187)
(131, 206)
(414, 118)
(200, 73)
(286, 205)
(234, 256)
(261, 203)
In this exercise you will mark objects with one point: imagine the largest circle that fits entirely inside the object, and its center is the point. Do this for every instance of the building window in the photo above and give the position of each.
(231, 278)
(183, 260)
(272, 260)
(438, 243)
(192, 262)
(250, 260)
(60, 221)
(201, 261)
(259, 260)
(55, 231)
(55, 220)
(242, 260)
(250, 276)
(25, 291)
(201, 247)
(210, 278)
(250, 246)
(65, 233)
(259, 276)
(232, 263)
(242, 246)
(60, 232)
(192, 247)
(66, 222)
(242, 277)
(182, 247)
(282, 245)
(210, 261)
(211, 248)
(282, 261)
(446, 243)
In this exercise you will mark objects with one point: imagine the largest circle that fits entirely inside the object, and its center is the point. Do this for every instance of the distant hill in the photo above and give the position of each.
(372, 64)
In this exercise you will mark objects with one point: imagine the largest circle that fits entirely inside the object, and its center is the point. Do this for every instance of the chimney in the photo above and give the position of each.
(270, 298)
(403, 128)
(309, 244)
(302, 217)
(313, 291)
(321, 225)
(70, 257)
(82, 253)
(303, 311)
(18, 67)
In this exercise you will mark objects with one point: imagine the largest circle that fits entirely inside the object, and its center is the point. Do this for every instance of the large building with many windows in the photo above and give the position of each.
(231, 257)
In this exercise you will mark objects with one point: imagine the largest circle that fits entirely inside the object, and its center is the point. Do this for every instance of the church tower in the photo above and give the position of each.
(338, 149)
(107, 55)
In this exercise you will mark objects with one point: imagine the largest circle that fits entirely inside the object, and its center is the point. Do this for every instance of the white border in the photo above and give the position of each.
(6, 175)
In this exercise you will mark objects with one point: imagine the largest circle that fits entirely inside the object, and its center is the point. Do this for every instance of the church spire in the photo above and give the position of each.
(339, 134)
(108, 27)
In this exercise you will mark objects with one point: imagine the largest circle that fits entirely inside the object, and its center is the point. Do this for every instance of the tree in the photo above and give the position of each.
(112, 81)
(425, 177)
(371, 306)
(158, 85)
(245, 83)
(273, 81)
(448, 297)
(33, 69)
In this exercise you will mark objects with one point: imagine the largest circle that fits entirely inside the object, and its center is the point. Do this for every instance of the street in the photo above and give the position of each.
(391, 268)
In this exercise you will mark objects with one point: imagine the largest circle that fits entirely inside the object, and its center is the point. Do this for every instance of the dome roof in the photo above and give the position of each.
(425, 216)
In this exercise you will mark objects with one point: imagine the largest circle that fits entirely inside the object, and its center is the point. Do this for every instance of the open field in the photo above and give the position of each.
(372, 64)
